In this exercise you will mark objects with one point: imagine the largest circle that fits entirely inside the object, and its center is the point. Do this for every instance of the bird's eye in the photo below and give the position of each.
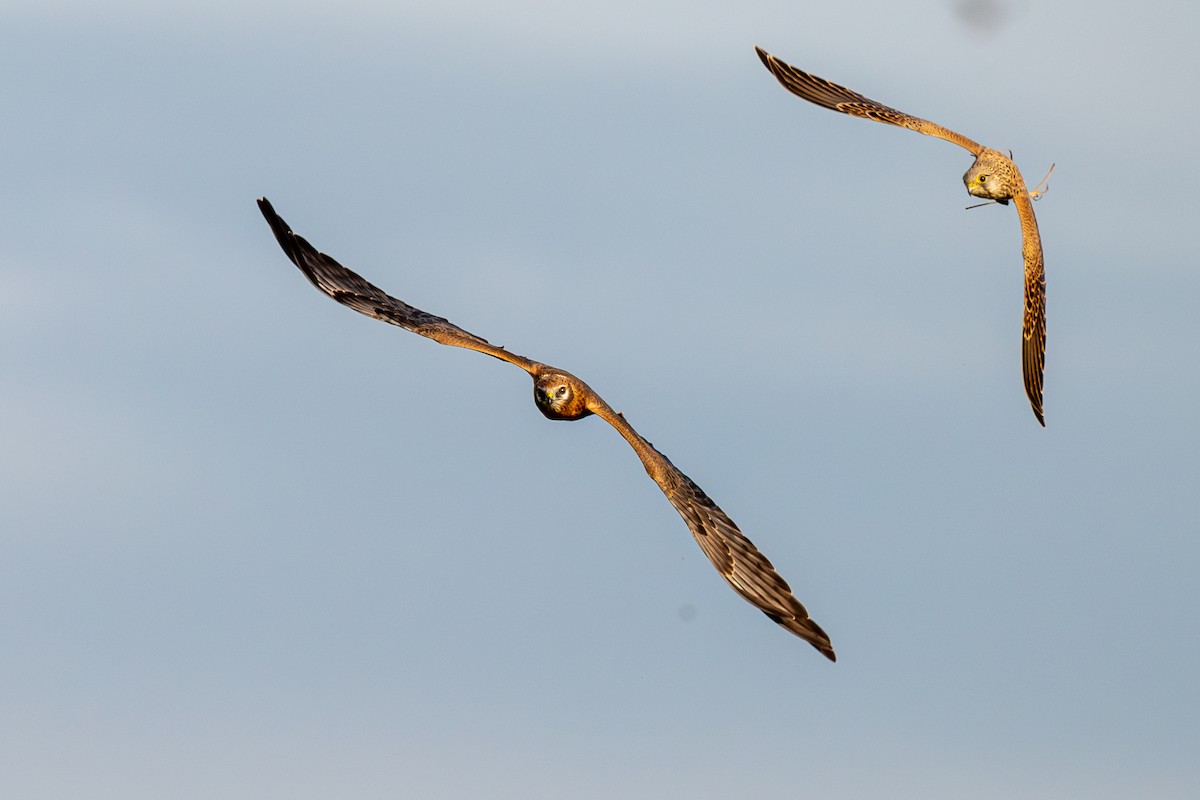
(983, 178)
(561, 392)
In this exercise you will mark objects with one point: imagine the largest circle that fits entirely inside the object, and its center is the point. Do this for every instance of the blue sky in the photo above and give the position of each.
(255, 544)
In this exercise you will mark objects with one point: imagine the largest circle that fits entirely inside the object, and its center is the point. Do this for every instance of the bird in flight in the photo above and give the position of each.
(559, 395)
(993, 177)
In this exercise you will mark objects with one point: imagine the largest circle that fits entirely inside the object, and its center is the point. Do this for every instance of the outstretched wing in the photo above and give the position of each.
(839, 98)
(1033, 328)
(351, 289)
(737, 559)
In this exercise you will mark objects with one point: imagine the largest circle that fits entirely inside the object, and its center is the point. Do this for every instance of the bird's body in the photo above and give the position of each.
(559, 395)
(993, 176)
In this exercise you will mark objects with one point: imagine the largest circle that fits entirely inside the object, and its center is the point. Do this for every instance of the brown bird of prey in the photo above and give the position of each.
(993, 176)
(560, 395)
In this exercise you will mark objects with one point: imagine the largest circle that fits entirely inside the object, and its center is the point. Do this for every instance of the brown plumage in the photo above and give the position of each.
(993, 176)
(559, 395)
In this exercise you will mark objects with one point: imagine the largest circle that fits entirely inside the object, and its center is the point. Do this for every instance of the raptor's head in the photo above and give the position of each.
(991, 177)
(560, 395)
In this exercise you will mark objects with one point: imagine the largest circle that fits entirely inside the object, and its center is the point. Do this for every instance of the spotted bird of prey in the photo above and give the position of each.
(993, 176)
(559, 395)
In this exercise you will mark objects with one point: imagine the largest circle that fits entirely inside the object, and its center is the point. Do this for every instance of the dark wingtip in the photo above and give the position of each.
(283, 234)
(267, 209)
(824, 647)
(1037, 413)
(764, 56)
(806, 629)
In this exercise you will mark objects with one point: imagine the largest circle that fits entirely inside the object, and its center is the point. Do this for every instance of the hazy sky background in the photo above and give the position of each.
(255, 545)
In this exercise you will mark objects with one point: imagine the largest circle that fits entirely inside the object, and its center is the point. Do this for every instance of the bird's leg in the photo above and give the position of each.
(1042, 187)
